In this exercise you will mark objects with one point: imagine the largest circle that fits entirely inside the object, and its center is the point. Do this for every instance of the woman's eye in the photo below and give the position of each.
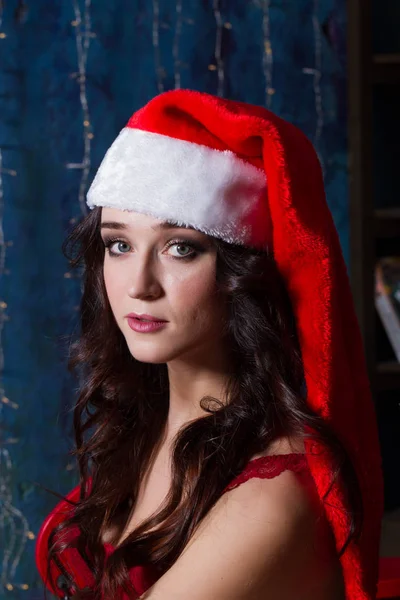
(188, 249)
(118, 244)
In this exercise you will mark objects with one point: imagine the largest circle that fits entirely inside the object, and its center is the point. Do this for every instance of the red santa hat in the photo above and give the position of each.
(240, 173)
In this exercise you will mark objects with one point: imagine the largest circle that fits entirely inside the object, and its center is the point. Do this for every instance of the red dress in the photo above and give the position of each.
(143, 577)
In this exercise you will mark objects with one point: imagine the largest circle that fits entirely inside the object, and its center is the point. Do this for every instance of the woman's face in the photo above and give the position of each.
(169, 274)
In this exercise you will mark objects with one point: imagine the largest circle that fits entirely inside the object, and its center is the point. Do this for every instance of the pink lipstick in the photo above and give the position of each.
(145, 323)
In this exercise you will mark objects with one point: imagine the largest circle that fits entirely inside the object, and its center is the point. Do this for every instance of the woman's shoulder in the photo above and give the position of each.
(276, 470)
(283, 445)
(282, 454)
(282, 472)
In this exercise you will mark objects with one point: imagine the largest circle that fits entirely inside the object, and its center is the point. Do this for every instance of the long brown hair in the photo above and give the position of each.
(122, 408)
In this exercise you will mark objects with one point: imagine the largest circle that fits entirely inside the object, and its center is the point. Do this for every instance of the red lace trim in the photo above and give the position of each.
(267, 467)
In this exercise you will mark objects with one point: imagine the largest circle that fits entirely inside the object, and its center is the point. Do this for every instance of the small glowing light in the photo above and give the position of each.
(73, 220)
(228, 25)
(3, 304)
(9, 586)
(212, 67)
(30, 535)
(24, 586)
(9, 402)
(67, 275)
(271, 91)
(90, 136)
(74, 166)
(2, 35)
(74, 23)
(86, 123)
(11, 172)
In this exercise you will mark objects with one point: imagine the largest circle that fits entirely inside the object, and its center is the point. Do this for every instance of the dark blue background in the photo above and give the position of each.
(42, 131)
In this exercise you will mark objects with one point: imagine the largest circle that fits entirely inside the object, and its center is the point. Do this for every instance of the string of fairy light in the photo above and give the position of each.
(268, 57)
(218, 47)
(83, 35)
(14, 526)
(175, 48)
(82, 27)
(160, 73)
(316, 72)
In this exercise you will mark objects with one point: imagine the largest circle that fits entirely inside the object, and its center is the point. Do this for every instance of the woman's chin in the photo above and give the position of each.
(154, 355)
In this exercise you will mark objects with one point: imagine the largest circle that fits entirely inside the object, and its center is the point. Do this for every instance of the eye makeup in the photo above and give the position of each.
(196, 248)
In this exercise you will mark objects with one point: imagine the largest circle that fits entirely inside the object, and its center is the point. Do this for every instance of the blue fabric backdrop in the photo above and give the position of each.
(71, 74)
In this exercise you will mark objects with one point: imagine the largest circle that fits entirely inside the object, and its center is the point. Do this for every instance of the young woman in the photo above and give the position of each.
(225, 434)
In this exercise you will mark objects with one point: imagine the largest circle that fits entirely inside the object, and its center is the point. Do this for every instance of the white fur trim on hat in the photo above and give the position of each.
(171, 179)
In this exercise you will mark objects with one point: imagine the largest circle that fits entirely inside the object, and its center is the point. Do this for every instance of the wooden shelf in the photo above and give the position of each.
(388, 376)
(386, 68)
(387, 222)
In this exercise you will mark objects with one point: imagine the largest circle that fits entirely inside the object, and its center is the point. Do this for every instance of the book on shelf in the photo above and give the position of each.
(387, 298)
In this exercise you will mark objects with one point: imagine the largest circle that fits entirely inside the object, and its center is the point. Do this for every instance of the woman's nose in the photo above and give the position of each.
(144, 280)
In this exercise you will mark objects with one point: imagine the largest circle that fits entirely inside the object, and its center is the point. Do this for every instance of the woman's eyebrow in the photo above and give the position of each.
(113, 225)
(122, 226)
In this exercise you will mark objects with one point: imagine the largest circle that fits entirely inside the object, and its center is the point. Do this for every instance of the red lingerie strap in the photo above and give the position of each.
(267, 467)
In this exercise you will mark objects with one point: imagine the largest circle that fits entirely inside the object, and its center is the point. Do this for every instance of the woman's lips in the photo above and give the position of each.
(144, 317)
(145, 326)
